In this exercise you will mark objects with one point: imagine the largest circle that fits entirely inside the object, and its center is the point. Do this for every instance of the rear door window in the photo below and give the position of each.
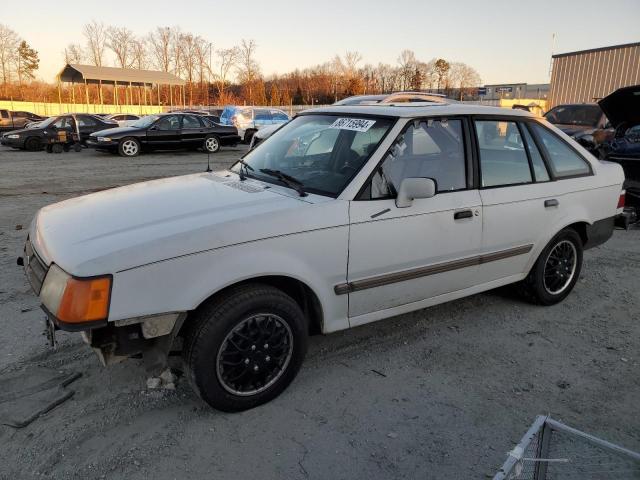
(503, 158)
(263, 115)
(189, 121)
(86, 121)
(279, 116)
(539, 168)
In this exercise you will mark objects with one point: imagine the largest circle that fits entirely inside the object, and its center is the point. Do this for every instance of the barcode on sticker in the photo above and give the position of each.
(355, 124)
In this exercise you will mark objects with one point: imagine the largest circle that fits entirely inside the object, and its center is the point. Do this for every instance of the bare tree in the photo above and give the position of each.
(407, 64)
(441, 67)
(335, 67)
(139, 52)
(227, 59)
(120, 40)
(248, 68)
(96, 36)
(204, 54)
(177, 51)
(160, 46)
(463, 78)
(350, 63)
(73, 53)
(9, 41)
(189, 55)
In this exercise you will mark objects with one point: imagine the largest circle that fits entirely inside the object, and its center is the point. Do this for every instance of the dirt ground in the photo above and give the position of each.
(440, 393)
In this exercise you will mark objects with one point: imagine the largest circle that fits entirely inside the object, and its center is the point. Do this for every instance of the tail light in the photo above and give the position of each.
(621, 199)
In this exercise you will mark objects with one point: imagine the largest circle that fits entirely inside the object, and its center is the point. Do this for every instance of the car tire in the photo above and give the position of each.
(33, 144)
(556, 270)
(248, 135)
(211, 144)
(227, 355)
(129, 147)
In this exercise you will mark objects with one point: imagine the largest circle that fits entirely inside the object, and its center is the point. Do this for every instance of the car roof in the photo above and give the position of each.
(418, 109)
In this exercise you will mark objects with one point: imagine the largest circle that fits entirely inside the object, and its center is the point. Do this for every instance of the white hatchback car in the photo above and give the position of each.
(345, 216)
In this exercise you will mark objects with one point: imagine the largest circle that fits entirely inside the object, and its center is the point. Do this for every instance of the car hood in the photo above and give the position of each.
(573, 130)
(126, 227)
(114, 131)
(622, 106)
(20, 130)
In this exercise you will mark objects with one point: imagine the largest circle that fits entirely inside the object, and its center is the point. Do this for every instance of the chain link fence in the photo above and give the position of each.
(551, 450)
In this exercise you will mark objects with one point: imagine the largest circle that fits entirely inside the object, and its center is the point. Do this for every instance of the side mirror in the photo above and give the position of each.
(153, 127)
(412, 188)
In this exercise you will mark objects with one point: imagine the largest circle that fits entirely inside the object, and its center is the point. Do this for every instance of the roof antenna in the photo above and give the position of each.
(208, 170)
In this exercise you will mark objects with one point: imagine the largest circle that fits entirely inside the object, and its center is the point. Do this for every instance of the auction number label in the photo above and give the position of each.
(355, 124)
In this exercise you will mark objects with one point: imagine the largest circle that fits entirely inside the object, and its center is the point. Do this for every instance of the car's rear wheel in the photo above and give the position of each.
(248, 135)
(211, 144)
(129, 147)
(245, 347)
(556, 270)
(33, 144)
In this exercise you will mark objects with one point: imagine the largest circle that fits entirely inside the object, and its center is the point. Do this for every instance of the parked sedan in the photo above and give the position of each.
(124, 119)
(170, 131)
(34, 138)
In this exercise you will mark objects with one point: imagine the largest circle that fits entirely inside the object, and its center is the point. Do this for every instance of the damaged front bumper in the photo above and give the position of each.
(150, 336)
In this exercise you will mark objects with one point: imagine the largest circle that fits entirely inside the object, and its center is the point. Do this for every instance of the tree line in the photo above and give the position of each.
(216, 74)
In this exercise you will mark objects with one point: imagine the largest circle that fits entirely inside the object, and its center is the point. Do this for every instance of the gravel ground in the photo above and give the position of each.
(439, 393)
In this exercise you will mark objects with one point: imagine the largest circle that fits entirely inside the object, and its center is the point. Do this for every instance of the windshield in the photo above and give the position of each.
(47, 122)
(145, 121)
(322, 152)
(583, 115)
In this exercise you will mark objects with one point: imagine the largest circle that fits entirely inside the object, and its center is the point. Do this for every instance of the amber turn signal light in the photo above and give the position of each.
(85, 300)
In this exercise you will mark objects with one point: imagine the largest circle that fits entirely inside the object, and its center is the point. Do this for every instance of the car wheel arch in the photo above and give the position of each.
(301, 293)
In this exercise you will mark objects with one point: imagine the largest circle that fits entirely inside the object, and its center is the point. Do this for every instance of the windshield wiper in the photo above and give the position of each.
(244, 166)
(288, 180)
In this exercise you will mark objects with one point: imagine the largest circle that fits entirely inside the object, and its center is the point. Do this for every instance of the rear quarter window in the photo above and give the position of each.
(564, 160)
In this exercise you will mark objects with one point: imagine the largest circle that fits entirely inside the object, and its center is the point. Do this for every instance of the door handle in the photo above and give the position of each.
(462, 214)
(551, 203)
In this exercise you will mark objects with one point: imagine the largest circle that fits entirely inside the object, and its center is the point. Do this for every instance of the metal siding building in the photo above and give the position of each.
(589, 75)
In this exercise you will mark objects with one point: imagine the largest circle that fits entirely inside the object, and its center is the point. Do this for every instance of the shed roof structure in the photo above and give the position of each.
(75, 73)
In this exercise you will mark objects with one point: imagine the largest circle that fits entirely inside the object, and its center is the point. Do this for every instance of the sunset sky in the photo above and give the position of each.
(505, 41)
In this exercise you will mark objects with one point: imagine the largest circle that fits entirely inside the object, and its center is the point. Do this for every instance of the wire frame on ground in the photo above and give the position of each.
(551, 450)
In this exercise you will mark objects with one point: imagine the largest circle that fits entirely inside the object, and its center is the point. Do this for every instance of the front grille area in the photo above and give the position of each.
(34, 267)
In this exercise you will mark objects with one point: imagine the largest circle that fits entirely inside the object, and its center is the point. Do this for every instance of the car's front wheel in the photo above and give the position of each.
(33, 144)
(245, 347)
(211, 144)
(129, 147)
(556, 270)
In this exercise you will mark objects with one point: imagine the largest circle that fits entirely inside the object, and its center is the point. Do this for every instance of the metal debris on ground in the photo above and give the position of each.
(551, 450)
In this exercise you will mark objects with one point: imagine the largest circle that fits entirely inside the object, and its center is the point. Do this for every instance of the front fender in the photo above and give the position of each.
(317, 258)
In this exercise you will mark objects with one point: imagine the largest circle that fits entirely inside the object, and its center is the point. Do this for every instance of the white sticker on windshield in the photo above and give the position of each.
(355, 124)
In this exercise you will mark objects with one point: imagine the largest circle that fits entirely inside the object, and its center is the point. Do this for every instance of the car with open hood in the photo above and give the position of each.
(584, 122)
(622, 107)
(342, 217)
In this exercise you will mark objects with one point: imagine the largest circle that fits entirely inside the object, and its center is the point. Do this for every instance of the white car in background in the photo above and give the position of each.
(124, 119)
(344, 216)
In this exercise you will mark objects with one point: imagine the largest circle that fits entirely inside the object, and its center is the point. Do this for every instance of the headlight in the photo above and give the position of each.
(104, 139)
(76, 300)
(13, 135)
